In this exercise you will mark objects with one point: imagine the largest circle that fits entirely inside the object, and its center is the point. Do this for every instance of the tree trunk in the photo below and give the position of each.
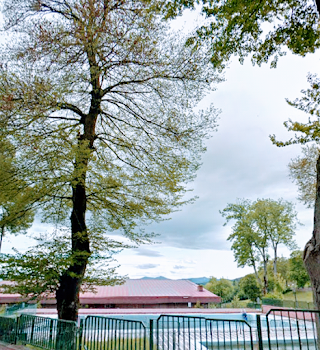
(265, 277)
(311, 254)
(275, 261)
(256, 272)
(1, 237)
(67, 294)
(70, 282)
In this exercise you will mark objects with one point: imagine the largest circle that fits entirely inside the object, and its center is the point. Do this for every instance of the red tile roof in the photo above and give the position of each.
(139, 291)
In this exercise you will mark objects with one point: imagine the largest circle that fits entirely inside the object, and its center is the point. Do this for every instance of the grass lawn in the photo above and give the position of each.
(301, 296)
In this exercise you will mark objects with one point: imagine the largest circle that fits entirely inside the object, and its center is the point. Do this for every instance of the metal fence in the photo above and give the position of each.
(8, 328)
(292, 329)
(279, 329)
(170, 332)
(104, 333)
(42, 332)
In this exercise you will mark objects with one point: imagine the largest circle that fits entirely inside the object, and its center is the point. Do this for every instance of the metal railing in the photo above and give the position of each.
(279, 329)
(292, 329)
(47, 333)
(171, 332)
(8, 329)
(104, 333)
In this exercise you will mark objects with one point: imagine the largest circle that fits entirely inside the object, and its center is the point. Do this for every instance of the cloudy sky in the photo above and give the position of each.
(240, 162)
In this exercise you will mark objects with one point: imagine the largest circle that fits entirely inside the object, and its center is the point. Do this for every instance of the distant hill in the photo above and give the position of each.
(199, 280)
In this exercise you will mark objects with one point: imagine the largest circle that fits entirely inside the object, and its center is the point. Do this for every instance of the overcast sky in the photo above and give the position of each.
(240, 162)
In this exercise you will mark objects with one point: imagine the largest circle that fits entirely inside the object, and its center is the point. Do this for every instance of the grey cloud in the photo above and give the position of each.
(147, 266)
(179, 267)
(148, 252)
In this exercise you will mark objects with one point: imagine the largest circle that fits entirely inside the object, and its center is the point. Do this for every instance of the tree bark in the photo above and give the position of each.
(70, 282)
(67, 294)
(256, 272)
(1, 237)
(275, 262)
(265, 277)
(311, 254)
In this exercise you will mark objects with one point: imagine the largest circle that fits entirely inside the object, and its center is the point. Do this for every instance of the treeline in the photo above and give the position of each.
(291, 274)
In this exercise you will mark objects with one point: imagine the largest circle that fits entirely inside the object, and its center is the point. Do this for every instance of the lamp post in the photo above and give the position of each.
(295, 296)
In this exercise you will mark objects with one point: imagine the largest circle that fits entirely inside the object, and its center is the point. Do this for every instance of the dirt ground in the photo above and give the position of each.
(5, 346)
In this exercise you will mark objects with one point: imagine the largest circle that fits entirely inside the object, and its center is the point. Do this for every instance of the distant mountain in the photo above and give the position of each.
(154, 278)
(199, 280)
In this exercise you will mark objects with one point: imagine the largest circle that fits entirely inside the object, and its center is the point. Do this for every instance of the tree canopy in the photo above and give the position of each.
(261, 29)
(16, 214)
(222, 287)
(259, 226)
(100, 101)
(303, 171)
(298, 272)
(249, 287)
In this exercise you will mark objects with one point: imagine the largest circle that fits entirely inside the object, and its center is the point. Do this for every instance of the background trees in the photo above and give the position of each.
(249, 287)
(298, 272)
(222, 287)
(98, 100)
(259, 226)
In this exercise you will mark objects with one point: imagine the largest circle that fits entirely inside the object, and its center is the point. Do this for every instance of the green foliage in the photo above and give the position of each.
(235, 302)
(223, 288)
(99, 101)
(260, 225)
(273, 296)
(304, 173)
(16, 214)
(261, 29)
(37, 272)
(298, 272)
(249, 287)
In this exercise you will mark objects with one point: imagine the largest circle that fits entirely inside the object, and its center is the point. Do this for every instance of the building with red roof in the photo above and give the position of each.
(137, 293)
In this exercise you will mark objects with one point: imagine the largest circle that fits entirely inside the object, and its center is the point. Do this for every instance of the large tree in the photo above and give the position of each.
(259, 226)
(243, 237)
(99, 98)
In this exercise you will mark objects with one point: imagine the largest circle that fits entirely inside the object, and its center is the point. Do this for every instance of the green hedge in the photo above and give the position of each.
(288, 303)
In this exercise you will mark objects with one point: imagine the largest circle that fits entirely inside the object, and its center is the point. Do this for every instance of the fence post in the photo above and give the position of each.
(151, 335)
(259, 331)
(80, 333)
(32, 331)
(16, 331)
(51, 333)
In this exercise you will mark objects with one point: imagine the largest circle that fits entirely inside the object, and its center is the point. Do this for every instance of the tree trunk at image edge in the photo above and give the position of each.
(311, 254)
